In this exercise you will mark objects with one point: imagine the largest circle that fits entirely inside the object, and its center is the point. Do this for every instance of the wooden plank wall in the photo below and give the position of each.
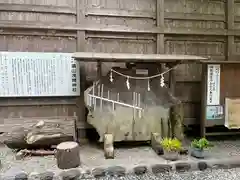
(199, 27)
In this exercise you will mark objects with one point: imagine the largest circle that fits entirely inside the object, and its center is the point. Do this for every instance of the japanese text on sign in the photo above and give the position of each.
(30, 74)
(213, 85)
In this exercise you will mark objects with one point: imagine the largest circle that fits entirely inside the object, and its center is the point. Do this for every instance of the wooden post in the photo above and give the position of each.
(230, 26)
(80, 8)
(99, 70)
(203, 100)
(172, 80)
(68, 155)
(160, 23)
(172, 83)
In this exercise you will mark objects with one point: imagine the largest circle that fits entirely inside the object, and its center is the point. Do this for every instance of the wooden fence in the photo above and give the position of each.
(199, 27)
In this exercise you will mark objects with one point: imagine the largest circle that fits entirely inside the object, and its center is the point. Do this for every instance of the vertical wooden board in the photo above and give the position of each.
(37, 17)
(196, 45)
(81, 46)
(39, 32)
(231, 12)
(199, 24)
(37, 111)
(236, 9)
(192, 110)
(230, 25)
(37, 43)
(120, 21)
(160, 23)
(141, 5)
(110, 45)
(188, 92)
(195, 6)
(66, 3)
(237, 45)
(37, 101)
(230, 85)
(203, 100)
(188, 73)
(117, 43)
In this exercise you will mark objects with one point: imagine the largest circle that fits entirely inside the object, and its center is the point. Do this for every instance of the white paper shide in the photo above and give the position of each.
(213, 84)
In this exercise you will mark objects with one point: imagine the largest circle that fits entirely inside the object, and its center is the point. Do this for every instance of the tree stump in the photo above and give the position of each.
(108, 146)
(68, 155)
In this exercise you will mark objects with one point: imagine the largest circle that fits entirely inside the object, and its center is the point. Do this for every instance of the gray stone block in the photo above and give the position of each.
(161, 168)
(219, 166)
(139, 170)
(21, 176)
(116, 171)
(41, 176)
(70, 174)
(46, 176)
(182, 167)
(202, 166)
(98, 172)
(234, 165)
(86, 175)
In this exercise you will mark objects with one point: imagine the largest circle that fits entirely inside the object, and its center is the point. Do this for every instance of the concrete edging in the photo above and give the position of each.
(79, 173)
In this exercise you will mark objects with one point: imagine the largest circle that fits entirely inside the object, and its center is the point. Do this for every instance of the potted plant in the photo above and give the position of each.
(198, 147)
(171, 148)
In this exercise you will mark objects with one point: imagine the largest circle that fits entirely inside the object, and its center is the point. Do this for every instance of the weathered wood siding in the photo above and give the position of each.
(200, 27)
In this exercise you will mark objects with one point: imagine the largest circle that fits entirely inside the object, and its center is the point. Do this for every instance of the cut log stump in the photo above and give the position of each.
(68, 155)
(108, 146)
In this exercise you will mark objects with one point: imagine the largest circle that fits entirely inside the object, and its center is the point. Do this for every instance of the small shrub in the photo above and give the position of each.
(170, 144)
(201, 144)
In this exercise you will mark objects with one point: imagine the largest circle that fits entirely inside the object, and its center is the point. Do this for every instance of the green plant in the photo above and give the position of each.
(201, 144)
(170, 144)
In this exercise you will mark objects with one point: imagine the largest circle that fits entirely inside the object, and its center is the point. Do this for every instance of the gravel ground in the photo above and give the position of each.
(220, 174)
(94, 157)
(29, 164)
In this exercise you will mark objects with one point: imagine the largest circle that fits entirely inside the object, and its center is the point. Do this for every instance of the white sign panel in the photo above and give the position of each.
(213, 85)
(29, 74)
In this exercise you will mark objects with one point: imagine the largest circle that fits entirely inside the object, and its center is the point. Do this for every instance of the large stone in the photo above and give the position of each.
(112, 118)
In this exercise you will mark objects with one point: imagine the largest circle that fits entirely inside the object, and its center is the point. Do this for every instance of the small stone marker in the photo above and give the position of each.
(155, 143)
(68, 155)
(108, 146)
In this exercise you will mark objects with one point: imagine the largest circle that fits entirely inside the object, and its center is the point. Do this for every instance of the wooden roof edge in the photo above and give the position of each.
(127, 57)
(218, 62)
